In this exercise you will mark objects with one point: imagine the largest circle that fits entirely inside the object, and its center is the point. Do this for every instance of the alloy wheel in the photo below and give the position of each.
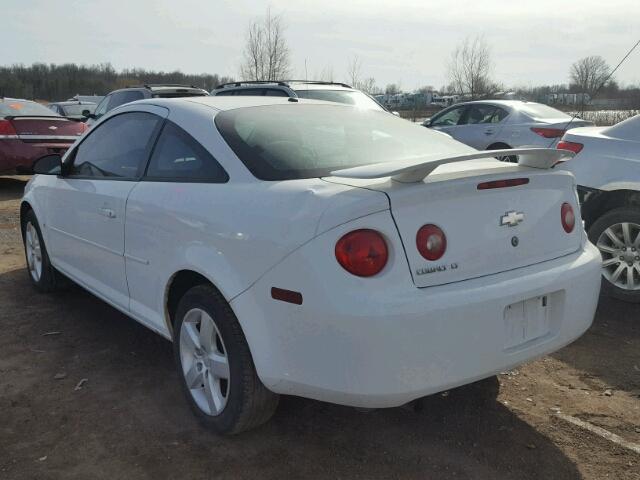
(204, 360)
(619, 245)
(34, 252)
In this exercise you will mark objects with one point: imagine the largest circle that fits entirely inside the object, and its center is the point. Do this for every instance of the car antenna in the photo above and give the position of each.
(604, 82)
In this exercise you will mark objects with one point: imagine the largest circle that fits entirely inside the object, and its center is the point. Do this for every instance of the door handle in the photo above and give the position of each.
(489, 131)
(107, 212)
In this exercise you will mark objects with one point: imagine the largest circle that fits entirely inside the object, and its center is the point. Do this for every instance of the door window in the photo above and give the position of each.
(479, 114)
(101, 109)
(116, 149)
(178, 156)
(448, 118)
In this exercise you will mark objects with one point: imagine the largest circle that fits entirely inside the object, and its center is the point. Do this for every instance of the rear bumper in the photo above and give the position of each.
(383, 348)
(16, 154)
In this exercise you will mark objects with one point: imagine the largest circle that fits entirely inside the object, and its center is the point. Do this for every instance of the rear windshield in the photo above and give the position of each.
(348, 97)
(78, 109)
(537, 110)
(283, 142)
(18, 108)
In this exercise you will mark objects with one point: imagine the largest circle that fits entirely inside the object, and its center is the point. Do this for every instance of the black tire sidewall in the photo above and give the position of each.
(618, 215)
(197, 298)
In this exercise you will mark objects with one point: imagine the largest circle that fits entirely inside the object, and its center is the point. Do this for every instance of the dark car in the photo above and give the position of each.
(73, 108)
(315, 90)
(131, 94)
(29, 131)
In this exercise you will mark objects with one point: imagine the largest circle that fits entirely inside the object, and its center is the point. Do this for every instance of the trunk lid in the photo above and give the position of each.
(477, 243)
(34, 129)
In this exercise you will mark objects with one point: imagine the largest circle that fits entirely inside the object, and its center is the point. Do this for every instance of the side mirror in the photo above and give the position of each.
(397, 114)
(88, 114)
(48, 165)
(426, 123)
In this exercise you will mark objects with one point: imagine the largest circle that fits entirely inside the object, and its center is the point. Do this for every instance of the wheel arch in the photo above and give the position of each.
(25, 207)
(498, 146)
(178, 284)
(600, 202)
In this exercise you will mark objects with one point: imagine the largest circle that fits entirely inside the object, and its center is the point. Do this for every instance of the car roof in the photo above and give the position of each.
(292, 84)
(9, 99)
(506, 103)
(223, 103)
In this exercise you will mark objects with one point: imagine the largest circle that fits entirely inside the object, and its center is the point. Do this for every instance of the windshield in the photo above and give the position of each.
(281, 142)
(537, 110)
(78, 109)
(348, 97)
(22, 108)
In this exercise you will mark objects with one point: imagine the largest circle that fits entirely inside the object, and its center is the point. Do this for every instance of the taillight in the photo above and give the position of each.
(571, 146)
(6, 128)
(362, 252)
(548, 132)
(509, 182)
(431, 242)
(567, 217)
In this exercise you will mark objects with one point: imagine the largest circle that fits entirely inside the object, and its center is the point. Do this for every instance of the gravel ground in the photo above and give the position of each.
(128, 418)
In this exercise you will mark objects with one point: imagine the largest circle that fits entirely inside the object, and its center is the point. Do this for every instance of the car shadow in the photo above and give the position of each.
(95, 392)
(608, 351)
(12, 187)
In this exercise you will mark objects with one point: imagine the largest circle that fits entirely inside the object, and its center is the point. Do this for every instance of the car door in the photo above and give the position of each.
(447, 120)
(162, 218)
(480, 125)
(86, 213)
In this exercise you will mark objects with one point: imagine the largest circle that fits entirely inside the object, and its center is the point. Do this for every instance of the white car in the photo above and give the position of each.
(307, 248)
(607, 170)
(500, 124)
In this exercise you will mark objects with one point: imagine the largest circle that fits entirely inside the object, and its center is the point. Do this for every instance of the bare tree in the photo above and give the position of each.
(470, 68)
(590, 74)
(354, 68)
(326, 75)
(266, 54)
(392, 89)
(368, 85)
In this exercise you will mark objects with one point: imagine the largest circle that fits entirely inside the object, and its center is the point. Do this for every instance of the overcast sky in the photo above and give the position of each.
(402, 41)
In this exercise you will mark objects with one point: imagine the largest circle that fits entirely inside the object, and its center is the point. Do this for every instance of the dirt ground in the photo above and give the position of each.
(129, 420)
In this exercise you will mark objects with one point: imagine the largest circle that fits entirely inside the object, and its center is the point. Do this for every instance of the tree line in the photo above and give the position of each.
(59, 82)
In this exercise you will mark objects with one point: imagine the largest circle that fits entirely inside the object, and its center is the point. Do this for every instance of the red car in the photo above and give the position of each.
(29, 131)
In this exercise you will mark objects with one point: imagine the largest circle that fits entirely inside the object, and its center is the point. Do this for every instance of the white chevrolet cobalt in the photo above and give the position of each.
(308, 248)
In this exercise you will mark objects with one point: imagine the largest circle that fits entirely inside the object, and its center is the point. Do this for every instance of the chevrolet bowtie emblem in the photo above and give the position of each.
(511, 219)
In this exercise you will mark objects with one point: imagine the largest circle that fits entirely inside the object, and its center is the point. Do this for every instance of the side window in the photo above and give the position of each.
(448, 118)
(499, 115)
(479, 114)
(178, 156)
(226, 94)
(120, 98)
(273, 92)
(118, 148)
(101, 109)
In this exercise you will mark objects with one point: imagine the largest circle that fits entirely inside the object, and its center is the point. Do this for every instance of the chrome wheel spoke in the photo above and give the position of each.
(626, 234)
(218, 365)
(610, 261)
(630, 280)
(207, 331)
(33, 252)
(613, 237)
(617, 273)
(194, 377)
(190, 336)
(213, 395)
(606, 248)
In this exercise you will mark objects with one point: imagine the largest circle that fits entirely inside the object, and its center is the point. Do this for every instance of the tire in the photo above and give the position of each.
(614, 221)
(44, 277)
(228, 405)
(507, 158)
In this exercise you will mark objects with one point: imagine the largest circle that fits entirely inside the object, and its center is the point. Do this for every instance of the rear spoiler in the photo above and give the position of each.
(416, 169)
(23, 117)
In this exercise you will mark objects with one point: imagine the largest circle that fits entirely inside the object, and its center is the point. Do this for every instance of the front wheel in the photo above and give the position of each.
(215, 365)
(617, 236)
